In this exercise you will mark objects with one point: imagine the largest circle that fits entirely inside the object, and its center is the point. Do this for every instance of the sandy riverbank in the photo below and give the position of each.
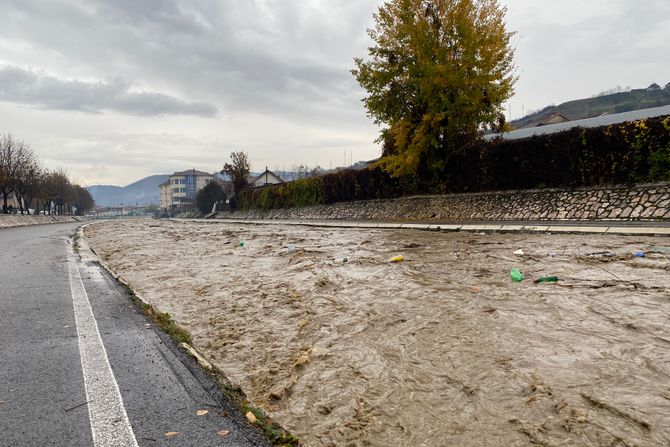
(443, 349)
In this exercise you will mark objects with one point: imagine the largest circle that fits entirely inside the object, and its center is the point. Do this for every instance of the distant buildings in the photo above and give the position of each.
(266, 178)
(180, 189)
(554, 118)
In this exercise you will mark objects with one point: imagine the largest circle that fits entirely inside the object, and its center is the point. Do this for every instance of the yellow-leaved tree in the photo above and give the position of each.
(437, 75)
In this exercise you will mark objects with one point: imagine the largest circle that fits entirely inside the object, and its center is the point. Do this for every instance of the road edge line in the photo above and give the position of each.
(110, 426)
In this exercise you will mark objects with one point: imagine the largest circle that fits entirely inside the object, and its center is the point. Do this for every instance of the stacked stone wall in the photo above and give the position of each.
(639, 202)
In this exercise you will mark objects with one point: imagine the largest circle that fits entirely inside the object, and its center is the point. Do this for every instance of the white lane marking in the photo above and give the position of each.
(109, 422)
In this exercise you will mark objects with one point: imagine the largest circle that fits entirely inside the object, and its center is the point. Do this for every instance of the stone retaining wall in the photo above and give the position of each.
(18, 220)
(640, 202)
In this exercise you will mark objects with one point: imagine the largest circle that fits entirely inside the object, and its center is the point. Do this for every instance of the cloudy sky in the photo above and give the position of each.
(113, 91)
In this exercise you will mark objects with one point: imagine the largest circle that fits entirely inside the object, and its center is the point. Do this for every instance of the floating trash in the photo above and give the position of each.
(542, 279)
(516, 275)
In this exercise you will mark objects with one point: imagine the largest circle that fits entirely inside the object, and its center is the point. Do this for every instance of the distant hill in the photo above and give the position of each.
(142, 192)
(591, 107)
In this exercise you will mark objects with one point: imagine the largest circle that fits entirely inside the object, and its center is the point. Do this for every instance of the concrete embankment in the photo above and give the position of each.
(617, 203)
(18, 220)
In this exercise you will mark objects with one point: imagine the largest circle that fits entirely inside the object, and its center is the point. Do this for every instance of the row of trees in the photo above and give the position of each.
(33, 186)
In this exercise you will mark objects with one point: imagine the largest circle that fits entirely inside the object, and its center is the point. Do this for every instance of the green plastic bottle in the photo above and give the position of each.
(516, 275)
(546, 279)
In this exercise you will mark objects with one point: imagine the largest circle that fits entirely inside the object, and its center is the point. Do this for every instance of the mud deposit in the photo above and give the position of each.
(440, 350)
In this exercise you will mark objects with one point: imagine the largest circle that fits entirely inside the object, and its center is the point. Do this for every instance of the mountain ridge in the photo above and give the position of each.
(142, 192)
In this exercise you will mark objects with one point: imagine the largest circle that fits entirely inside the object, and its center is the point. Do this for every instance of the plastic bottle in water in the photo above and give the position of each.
(516, 275)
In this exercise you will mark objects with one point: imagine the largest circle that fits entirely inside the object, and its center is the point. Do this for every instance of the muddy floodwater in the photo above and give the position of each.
(443, 349)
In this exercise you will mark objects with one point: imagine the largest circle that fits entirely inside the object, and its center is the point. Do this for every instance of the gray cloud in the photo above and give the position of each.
(25, 86)
(277, 69)
(274, 57)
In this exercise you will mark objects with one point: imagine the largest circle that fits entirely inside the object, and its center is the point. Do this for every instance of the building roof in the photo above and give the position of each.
(266, 173)
(192, 172)
(554, 118)
(604, 120)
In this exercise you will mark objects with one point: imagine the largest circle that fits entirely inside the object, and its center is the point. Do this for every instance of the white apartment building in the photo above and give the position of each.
(180, 189)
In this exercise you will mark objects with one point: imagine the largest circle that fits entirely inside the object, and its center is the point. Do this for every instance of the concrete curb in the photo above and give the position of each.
(202, 361)
(93, 256)
(90, 253)
(549, 228)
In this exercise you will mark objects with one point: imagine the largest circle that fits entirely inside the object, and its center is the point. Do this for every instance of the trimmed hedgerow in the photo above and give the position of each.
(370, 183)
(626, 153)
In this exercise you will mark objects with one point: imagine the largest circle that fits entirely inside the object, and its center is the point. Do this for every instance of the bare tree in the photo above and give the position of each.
(63, 192)
(57, 192)
(316, 171)
(83, 201)
(22, 174)
(28, 182)
(301, 171)
(14, 156)
(304, 171)
(46, 191)
(238, 170)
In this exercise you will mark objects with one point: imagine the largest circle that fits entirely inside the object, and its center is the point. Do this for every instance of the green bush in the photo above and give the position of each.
(208, 196)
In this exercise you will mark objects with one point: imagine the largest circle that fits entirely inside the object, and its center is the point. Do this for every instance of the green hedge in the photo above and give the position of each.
(343, 186)
(627, 153)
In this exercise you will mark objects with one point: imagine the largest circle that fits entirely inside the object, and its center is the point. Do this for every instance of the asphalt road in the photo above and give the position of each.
(80, 365)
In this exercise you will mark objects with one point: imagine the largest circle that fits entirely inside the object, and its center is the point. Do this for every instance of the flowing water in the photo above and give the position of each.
(442, 349)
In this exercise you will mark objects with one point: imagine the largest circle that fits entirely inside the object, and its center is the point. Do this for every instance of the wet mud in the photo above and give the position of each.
(441, 349)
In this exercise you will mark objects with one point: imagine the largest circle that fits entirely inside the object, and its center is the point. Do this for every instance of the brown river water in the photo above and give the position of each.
(442, 349)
